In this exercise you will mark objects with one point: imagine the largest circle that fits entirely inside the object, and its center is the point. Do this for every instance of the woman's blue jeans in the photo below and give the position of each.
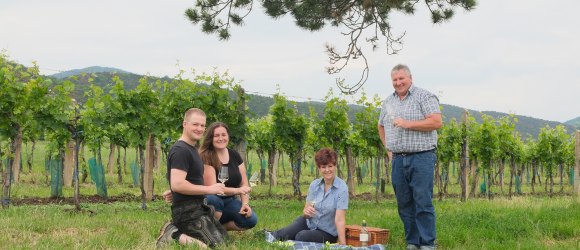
(230, 207)
(413, 184)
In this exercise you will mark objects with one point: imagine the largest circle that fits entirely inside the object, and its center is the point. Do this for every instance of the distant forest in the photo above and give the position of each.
(259, 105)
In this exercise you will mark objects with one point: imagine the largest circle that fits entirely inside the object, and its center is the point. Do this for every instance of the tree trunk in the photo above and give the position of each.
(6, 184)
(119, 168)
(388, 169)
(340, 162)
(159, 154)
(501, 172)
(76, 173)
(17, 149)
(561, 169)
(84, 164)
(350, 177)
(551, 185)
(1, 163)
(271, 170)
(475, 174)
(281, 160)
(370, 167)
(30, 159)
(69, 161)
(111, 162)
(384, 177)
(534, 171)
(125, 160)
(489, 183)
(295, 162)
(512, 174)
(358, 171)
(141, 160)
(377, 176)
(149, 163)
(445, 179)
(577, 167)
(100, 155)
(438, 180)
(523, 173)
(464, 158)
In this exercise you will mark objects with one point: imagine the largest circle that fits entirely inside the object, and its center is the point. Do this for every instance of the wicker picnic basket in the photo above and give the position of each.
(376, 235)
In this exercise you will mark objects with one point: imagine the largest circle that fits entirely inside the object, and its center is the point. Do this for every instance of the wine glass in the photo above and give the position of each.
(316, 216)
(390, 113)
(223, 175)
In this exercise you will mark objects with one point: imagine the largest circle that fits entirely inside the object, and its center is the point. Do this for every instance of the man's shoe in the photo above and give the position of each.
(427, 248)
(412, 247)
(165, 238)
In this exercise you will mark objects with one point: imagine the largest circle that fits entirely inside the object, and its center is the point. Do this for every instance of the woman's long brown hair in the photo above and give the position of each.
(207, 151)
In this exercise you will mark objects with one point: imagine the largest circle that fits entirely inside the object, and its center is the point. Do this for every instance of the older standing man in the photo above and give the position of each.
(407, 127)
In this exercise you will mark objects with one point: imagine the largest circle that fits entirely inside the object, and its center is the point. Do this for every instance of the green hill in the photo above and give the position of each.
(93, 69)
(102, 79)
(260, 105)
(574, 122)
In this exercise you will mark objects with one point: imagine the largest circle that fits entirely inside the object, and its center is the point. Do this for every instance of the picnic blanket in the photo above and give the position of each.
(301, 245)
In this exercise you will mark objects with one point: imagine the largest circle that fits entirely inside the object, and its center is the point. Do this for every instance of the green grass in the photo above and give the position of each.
(520, 223)
(528, 222)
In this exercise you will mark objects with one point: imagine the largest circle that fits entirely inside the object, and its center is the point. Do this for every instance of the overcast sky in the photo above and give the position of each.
(515, 56)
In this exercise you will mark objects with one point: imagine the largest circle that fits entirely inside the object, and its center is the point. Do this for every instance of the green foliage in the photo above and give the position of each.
(261, 135)
(334, 126)
(94, 117)
(22, 97)
(289, 127)
(554, 148)
(526, 126)
(258, 106)
(365, 125)
(449, 143)
(290, 130)
(507, 138)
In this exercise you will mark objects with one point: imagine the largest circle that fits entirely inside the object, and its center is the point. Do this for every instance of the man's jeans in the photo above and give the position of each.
(413, 185)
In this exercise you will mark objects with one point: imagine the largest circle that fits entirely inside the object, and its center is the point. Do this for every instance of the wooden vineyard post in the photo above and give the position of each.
(464, 158)
(68, 167)
(577, 167)
(148, 172)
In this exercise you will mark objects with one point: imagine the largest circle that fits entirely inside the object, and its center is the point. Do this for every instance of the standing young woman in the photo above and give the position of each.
(233, 208)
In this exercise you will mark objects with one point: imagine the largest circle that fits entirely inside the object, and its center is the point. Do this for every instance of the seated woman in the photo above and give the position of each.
(233, 213)
(324, 213)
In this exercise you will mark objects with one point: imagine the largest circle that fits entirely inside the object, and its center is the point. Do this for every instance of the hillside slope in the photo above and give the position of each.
(92, 69)
(260, 105)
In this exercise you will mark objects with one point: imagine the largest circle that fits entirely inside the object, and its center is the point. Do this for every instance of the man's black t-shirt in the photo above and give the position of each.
(185, 157)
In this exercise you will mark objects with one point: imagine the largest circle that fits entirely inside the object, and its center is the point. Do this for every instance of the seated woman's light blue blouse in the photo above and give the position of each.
(326, 204)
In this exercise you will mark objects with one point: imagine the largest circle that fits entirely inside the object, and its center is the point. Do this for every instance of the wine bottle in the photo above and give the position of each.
(364, 234)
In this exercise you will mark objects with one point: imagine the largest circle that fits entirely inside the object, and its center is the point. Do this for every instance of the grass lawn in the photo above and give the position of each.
(523, 222)
(520, 223)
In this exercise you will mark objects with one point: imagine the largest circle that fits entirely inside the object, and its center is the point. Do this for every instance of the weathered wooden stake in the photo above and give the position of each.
(577, 167)
(464, 158)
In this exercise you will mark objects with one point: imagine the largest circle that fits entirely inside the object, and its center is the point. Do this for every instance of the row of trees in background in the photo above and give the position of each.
(487, 148)
(33, 108)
